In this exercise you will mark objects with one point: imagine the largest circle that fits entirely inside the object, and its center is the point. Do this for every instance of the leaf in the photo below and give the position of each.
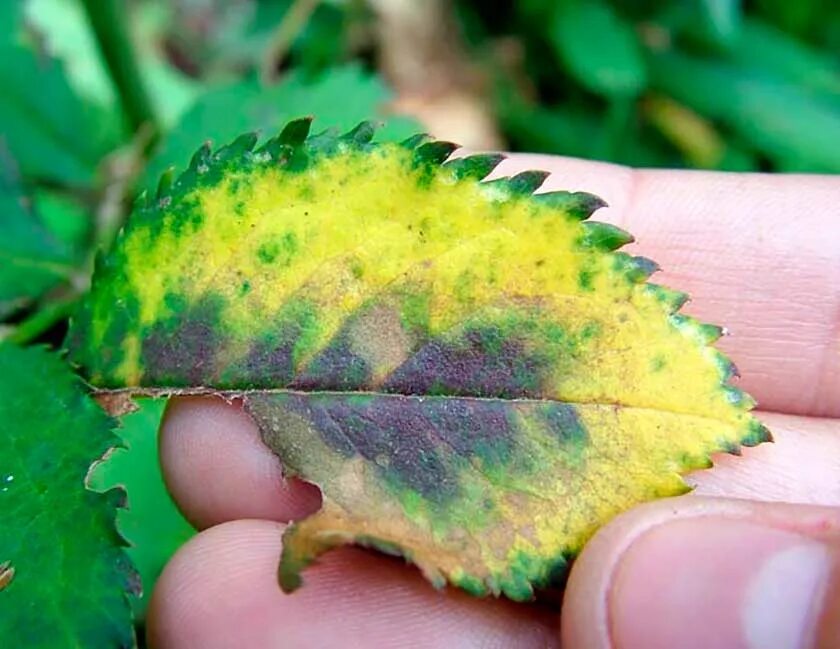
(341, 98)
(762, 47)
(67, 34)
(472, 375)
(54, 135)
(721, 18)
(67, 218)
(69, 570)
(799, 132)
(599, 48)
(699, 141)
(31, 260)
(152, 524)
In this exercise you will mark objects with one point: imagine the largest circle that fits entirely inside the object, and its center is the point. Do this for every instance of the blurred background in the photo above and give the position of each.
(721, 84)
(99, 97)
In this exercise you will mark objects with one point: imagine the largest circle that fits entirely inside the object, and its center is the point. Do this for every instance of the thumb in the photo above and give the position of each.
(712, 573)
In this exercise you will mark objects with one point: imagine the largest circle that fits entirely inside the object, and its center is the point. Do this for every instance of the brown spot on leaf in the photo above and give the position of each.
(7, 574)
(388, 349)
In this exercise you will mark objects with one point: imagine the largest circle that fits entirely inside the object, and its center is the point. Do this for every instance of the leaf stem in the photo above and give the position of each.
(107, 19)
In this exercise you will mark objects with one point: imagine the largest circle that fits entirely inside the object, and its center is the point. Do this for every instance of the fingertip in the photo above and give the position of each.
(698, 572)
(217, 468)
(211, 593)
(220, 590)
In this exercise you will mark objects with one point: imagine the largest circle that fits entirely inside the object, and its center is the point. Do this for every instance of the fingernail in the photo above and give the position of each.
(714, 582)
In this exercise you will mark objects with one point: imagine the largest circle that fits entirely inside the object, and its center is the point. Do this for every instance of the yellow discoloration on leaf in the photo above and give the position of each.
(521, 250)
(530, 514)
(472, 376)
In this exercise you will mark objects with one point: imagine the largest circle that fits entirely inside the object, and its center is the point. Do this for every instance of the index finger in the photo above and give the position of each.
(758, 253)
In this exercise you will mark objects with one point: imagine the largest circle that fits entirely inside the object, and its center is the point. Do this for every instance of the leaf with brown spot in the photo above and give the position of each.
(472, 374)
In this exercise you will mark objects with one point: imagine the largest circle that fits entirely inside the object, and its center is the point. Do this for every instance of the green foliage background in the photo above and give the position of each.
(102, 96)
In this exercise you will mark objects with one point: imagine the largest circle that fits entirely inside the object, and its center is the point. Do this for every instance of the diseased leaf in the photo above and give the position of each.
(31, 260)
(472, 375)
(63, 570)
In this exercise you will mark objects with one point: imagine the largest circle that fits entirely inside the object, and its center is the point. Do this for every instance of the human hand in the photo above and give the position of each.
(726, 566)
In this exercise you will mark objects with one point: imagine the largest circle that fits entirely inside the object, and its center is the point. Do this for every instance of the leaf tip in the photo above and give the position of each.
(296, 131)
(757, 433)
(474, 167)
(526, 182)
(416, 140)
(164, 187)
(604, 236)
(578, 205)
(201, 159)
(362, 133)
(433, 153)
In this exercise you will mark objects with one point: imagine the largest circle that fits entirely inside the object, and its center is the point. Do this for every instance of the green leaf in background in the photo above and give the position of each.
(599, 48)
(697, 139)
(66, 217)
(32, 260)
(341, 98)
(799, 132)
(54, 135)
(68, 37)
(66, 570)
(763, 47)
(569, 130)
(151, 523)
(721, 19)
(797, 16)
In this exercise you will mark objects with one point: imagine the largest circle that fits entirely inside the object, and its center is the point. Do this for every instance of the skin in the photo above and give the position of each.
(758, 253)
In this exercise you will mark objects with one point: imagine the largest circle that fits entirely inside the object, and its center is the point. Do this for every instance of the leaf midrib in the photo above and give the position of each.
(231, 394)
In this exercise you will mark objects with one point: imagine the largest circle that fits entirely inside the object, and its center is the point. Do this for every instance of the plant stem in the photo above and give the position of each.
(107, 19)
(290, 26)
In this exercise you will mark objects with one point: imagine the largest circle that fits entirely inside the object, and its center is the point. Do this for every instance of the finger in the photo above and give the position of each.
(710, 573)
(758, 253)
(220, 591)
(217, 468)
(802, 466)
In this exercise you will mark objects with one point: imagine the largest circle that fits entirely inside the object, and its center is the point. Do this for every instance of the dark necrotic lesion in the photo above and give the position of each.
(391, 433)
(483, 361)
(418, 443)
(338, 367)
(180, 349)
